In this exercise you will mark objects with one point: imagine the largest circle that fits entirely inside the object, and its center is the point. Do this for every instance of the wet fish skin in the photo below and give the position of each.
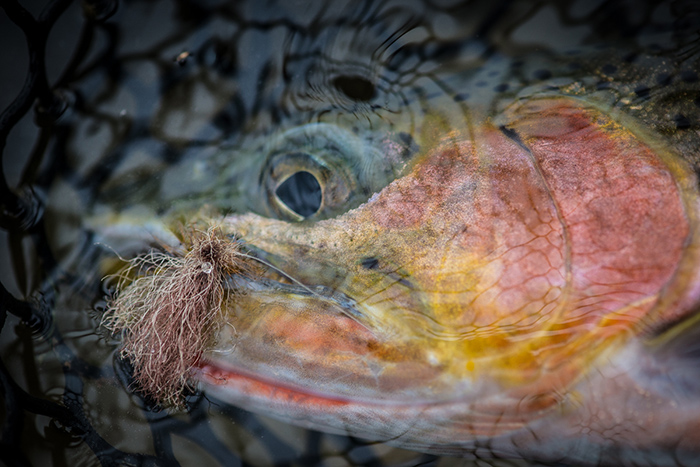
(618, 95)
(505, 293)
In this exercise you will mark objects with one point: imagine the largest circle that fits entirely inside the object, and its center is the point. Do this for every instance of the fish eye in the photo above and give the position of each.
(318, 171)
(303, 186)
(301, 193)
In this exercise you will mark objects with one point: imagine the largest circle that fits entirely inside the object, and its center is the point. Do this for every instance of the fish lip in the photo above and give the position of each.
(214, 372)
(211, 371)
(353, 414)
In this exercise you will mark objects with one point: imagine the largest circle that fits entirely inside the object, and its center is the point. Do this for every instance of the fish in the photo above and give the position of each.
(512, 294)
(517, 289)
(409, 225)
(512, 275)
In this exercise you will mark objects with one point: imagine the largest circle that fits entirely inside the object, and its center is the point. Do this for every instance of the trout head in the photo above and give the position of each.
(476, 295)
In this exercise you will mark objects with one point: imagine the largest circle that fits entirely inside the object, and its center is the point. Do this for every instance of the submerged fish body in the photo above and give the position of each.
(507, 272)
(505, 292)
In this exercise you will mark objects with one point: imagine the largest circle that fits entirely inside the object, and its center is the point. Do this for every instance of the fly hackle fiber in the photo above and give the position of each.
(168, 307)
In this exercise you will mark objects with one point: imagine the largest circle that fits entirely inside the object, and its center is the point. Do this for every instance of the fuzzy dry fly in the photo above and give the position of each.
(170, 311)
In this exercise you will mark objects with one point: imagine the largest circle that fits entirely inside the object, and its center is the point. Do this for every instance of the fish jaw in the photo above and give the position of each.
(309, 341)
(476, 292)
(613, 414)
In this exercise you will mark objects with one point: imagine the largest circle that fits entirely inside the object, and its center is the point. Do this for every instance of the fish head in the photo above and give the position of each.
(470, 296)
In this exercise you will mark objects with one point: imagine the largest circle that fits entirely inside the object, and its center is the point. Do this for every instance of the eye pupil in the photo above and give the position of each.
(301, 193)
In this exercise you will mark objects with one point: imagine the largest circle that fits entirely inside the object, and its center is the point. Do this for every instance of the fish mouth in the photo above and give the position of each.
(311, 355)
(315, 340)
(474, 292)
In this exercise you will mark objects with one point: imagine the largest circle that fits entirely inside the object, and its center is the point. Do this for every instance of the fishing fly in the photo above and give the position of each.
(168, 306)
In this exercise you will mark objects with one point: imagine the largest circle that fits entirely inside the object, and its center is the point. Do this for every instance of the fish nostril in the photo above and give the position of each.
(301, 193)
(370, 263)
(355, 87)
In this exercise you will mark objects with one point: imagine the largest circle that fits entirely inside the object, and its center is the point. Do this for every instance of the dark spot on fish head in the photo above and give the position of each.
(461, 97)
(642, 91)
(231, 117)
(356, 88)
(682, 122)
(664, 79)
(406, 138)
(369, 262)
(689, 76)
(409, 144)
(501, 87)
(631, 57)
(609, 69)
(220, 56)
